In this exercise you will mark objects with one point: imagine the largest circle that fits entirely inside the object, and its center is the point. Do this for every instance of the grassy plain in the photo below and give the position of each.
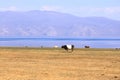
(57, 64)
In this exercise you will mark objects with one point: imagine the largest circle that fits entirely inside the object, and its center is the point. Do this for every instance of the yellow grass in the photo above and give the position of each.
(57, 64)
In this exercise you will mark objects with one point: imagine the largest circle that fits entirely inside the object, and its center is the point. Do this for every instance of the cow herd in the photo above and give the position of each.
(71, 47)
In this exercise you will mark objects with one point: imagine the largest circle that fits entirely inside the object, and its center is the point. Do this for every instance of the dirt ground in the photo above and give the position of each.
(57, 64)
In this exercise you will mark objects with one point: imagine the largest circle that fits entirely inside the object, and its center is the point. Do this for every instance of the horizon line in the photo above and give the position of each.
(62, 39)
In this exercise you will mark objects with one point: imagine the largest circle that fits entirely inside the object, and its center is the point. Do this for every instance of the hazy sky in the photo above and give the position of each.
(82, 8)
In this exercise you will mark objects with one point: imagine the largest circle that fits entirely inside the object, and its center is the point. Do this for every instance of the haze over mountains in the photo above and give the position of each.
(55, 24)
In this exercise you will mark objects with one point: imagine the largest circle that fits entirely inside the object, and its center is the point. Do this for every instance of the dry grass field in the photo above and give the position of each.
(57, 64)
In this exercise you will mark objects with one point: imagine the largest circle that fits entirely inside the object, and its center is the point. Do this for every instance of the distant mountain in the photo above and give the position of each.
(54, 24)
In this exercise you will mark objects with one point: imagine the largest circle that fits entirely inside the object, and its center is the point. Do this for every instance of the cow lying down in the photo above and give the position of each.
(68, 47)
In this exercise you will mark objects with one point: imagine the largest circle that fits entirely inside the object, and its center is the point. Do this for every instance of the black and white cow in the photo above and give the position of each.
(68, 47)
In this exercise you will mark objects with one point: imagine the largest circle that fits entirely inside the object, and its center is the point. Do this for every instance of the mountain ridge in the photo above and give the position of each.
(54, 24)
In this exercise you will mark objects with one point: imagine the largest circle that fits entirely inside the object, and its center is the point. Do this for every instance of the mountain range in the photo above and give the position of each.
(55, 24)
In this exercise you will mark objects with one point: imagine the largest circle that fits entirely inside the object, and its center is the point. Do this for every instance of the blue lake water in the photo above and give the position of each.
(50, 42)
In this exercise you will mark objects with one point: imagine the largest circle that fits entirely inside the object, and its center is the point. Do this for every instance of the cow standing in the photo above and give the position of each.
(68, 47)
(87, 46)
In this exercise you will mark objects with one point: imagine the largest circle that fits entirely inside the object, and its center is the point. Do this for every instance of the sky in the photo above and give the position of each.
(82, 8)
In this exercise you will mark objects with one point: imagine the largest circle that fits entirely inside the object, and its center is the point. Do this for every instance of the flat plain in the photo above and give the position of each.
(57, 64)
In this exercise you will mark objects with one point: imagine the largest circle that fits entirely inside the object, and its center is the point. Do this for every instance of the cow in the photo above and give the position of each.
(68, 47)
(87, 46)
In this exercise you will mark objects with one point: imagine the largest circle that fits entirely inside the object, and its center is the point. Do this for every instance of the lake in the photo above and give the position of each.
(50, 42)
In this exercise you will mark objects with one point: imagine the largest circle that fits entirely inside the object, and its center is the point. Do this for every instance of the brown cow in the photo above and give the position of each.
(87, 46)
